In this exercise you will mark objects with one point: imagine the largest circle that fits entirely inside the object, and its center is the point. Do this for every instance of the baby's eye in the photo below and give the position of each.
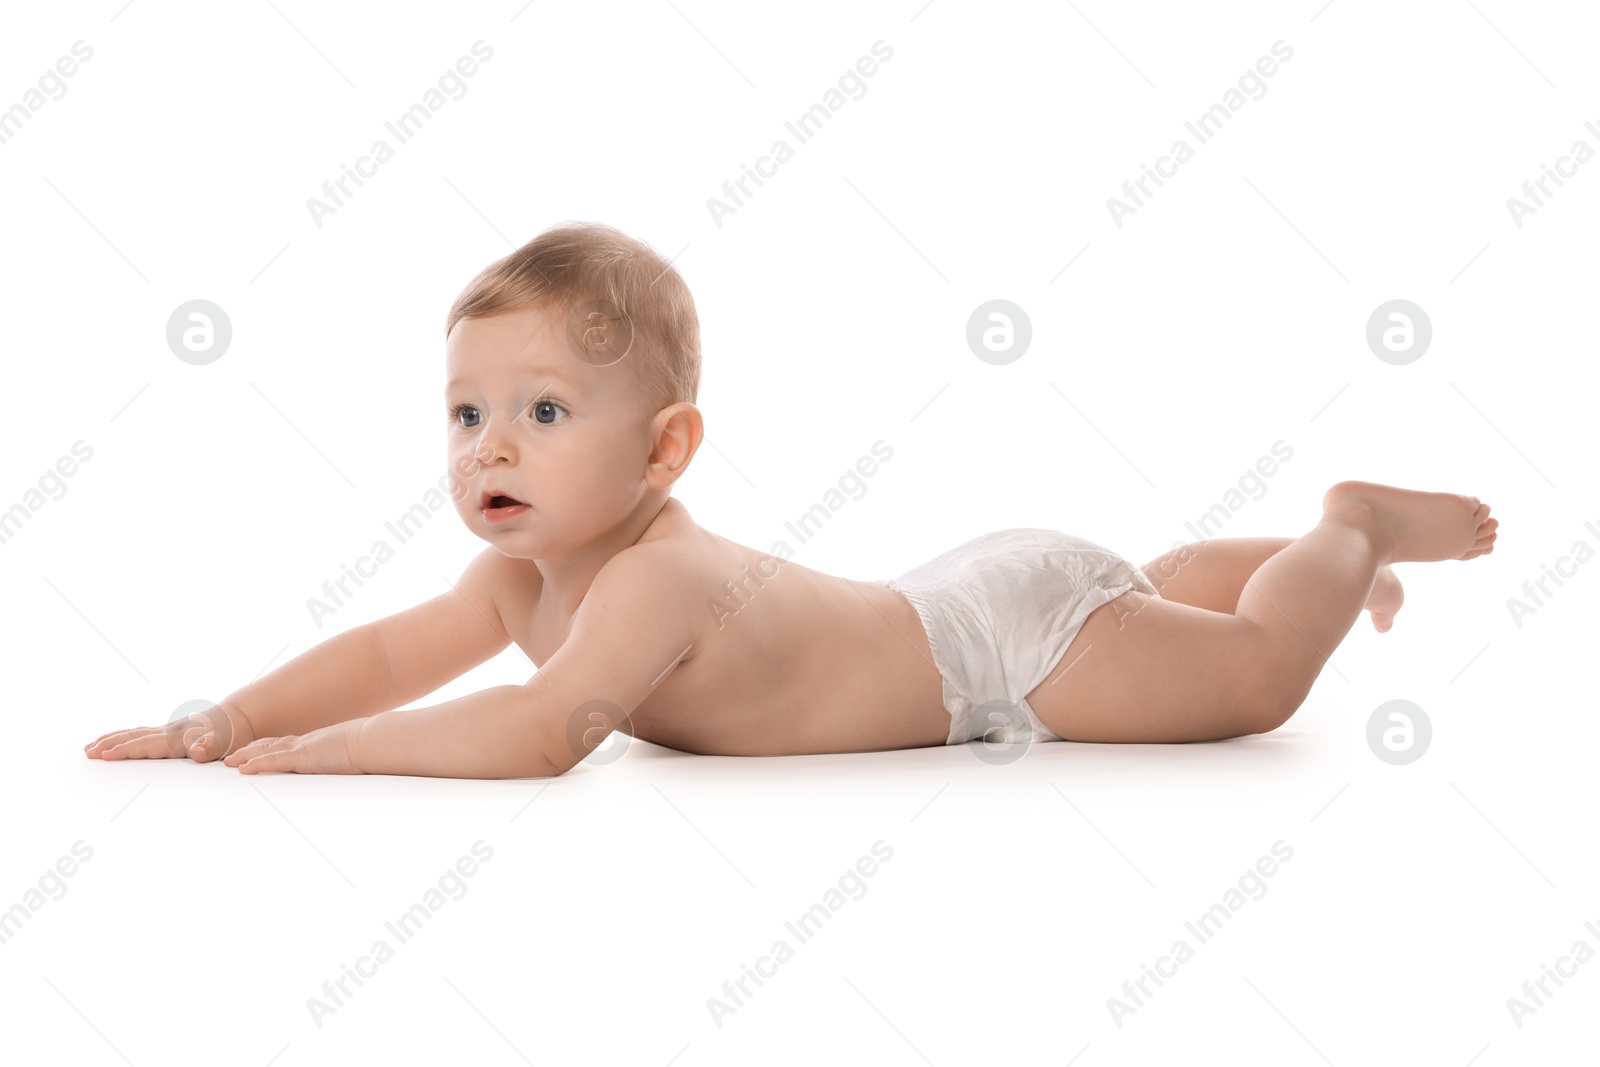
(542, 407)
(457, 411)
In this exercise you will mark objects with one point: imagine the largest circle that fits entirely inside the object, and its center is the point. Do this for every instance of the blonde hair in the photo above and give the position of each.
(591, 265)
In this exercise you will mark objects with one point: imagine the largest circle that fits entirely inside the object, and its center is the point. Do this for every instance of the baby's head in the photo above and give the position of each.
(572, 367)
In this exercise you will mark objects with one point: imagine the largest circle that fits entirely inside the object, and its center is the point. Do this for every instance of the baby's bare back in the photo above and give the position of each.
(782, 659)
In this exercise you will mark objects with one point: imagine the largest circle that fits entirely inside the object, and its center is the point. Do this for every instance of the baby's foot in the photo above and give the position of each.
(1385, 599)
(1416, 527)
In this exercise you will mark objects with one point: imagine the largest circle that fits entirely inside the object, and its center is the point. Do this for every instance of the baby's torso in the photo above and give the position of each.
(790, 660)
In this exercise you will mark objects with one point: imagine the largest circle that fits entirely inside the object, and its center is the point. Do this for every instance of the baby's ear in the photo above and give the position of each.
(679, 429)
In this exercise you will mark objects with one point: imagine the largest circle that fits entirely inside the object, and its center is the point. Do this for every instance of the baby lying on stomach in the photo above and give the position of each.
(573, 366)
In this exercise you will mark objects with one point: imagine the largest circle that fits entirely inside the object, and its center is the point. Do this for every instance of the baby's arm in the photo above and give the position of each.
(364, 670)
(639, 618)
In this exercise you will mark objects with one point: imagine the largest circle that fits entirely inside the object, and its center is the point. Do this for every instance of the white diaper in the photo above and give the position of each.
(1000, 610)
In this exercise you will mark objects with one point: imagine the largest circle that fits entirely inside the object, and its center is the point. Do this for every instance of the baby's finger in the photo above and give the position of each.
(256, 748)
(117, 737)
(287, 758)
(104, 741)
(108, 735)
(148, 743)
(238, 756)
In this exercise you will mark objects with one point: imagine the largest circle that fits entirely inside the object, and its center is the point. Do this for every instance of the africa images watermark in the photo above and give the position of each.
(852, 482)
(1210, 124)
(52, 82)
(51, 482)
(52, 886)
(1210, 521)
(1251, 482)
(1566, 566)
(1579, 154)
(405, 126)
(403, 527)
(804, 927)
(336, 991)
(804, 127)
(1536, 991)
(737, 593)
(1204, 928)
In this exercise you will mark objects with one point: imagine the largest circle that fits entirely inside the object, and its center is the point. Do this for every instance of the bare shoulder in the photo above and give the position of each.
(662, 580)
(639, 619)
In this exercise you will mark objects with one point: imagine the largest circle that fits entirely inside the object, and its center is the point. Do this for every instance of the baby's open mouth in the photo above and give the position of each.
(490, 500)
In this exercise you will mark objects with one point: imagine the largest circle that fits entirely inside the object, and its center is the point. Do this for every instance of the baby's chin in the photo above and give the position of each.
(520, 539)
(513, 546)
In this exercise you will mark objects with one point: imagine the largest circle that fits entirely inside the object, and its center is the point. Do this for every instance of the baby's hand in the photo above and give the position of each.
(330, 750)
(202, 737)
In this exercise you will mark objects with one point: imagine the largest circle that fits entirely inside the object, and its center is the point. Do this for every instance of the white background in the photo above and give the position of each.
(1226, 314)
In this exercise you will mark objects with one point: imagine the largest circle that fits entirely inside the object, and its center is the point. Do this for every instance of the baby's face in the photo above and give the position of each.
(530, 420)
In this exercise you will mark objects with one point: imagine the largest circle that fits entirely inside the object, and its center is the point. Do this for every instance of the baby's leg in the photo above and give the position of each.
(1211, 574)
(1152, 669)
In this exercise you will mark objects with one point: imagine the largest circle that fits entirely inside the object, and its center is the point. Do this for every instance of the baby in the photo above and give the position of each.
(573, 365)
